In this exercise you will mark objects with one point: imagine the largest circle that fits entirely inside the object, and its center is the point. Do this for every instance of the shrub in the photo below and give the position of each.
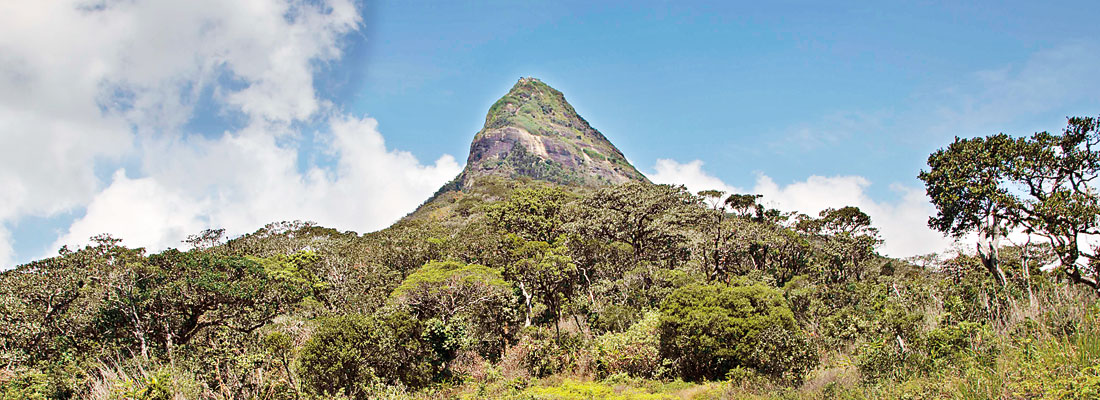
(140, 381)
(949, 344)
(706, 330)
(878, 361)
(470, 305)
(21, 384)
(614, 318)
(1085, 385)
(540, 352)
(635, 352)
(349, 353)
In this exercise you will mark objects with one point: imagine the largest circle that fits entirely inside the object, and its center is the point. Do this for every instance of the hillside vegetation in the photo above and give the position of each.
(518, 287)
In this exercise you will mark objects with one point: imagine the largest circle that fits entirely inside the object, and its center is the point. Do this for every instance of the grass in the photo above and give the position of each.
(594, 154)
(1066, 367)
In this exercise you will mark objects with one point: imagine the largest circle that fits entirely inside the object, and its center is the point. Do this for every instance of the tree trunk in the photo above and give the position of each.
(168, 333)
(990, 259)
(901, 342)
(1027, 275)
(989, 241)
(526, 301)
(139, 333)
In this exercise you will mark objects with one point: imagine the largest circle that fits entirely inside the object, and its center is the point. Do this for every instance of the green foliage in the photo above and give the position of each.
(524, 164)
(349, 353)
(636, 351)
(197, 290)
(141, 381)
(297, 269)
(707, 330)
(594, 154)
(531, 213)
(1086, 385)
(438, 276)
(946, 344)
(543, 353)
(746, 295)
(545, 272)
(651, 219)
(880, 360)
(48, 308)
(470, 300)
(24, 384)
(1040, 184)
(156, 386)
(573, 390)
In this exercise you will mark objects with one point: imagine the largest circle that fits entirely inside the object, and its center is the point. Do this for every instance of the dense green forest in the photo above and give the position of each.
(525, 288)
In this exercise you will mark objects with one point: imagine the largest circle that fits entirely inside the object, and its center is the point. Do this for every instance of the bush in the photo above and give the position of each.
(878, 361)
(948, 345)
(350, 353)
(706, 330)
(540, 352)
(21, 384)
(635, 352)
(470, 304)
(1085, 385)
(140, 381)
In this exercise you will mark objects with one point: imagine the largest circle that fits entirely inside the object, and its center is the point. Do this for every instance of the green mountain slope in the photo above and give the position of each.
(533, 132)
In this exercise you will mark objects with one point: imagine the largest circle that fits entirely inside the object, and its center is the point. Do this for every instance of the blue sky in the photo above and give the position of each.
(349, 114)
(786, 89)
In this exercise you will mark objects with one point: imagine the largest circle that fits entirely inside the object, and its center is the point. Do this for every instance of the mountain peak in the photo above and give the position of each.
(534, 132)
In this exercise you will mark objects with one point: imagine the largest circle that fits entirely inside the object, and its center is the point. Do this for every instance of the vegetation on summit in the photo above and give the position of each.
(519, 281)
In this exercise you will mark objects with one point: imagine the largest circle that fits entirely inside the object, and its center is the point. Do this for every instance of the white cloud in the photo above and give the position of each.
(689, 174)
(6, 253)
(902, 223)
(246, 179)
(140, 211)
(87, 85)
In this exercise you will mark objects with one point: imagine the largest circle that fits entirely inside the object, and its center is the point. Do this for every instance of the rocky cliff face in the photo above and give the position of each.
(533, 132)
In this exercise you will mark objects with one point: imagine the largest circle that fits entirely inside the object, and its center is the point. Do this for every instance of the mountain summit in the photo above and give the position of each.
(533, 132)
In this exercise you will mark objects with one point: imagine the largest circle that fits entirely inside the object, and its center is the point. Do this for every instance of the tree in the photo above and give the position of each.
(350, 352)
(1041, 185)
(472, 297)
(775, 249)
(845, 239)
(652, 219)
(182, 294)
(719, 258)
(531, 213)
(965, 186)
(47, 305)
(743, 205)
(543, 271)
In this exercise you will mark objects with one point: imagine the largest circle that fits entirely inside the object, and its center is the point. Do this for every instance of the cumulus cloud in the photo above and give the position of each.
(6, 253)
(902, 222)
(246, 179)
(90, 86)
(160, 218)
(689, 174)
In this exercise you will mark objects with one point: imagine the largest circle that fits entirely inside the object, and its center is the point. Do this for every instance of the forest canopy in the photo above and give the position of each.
(520, 288)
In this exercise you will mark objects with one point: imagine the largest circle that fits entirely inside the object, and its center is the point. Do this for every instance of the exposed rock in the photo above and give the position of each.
(533, 132)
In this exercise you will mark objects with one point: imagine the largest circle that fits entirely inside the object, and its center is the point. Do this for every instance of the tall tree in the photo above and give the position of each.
(652, 219)
(532, 213)
(544, 272)
(1042, 185)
